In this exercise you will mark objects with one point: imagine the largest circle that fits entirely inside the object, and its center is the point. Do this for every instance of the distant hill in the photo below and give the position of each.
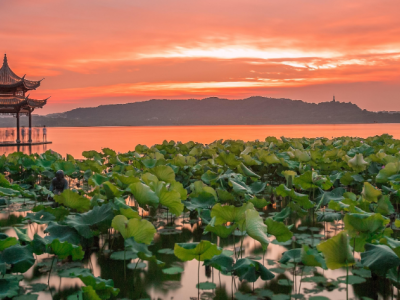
(213, 111)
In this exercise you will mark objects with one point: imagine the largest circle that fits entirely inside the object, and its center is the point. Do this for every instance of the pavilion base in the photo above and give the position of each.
(8, 144)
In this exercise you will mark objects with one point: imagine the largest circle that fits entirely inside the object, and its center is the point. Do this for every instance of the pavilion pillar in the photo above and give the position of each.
(30, 126)
(18, 139)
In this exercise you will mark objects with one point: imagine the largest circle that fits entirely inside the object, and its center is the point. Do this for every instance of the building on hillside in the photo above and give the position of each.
(13, 99)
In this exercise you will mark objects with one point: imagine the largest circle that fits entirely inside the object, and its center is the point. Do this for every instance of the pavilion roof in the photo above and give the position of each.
(23, 104)
(8, 79)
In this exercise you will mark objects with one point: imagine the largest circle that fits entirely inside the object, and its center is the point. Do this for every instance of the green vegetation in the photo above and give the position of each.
(331, 203)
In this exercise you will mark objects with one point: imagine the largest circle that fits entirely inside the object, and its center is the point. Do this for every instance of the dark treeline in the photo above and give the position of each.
(212, 111)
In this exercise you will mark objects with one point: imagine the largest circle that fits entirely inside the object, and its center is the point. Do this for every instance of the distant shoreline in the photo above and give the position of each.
(212, 112)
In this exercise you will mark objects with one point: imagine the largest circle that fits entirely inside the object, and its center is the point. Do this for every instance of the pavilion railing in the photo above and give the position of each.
(9, 135)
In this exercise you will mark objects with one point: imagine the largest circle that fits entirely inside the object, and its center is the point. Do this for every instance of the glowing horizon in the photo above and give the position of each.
(102, 52)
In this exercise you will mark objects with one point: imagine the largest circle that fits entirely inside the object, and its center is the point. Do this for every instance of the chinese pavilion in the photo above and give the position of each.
(13, 99)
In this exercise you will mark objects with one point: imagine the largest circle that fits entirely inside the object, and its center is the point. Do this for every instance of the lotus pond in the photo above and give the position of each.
(288, 218)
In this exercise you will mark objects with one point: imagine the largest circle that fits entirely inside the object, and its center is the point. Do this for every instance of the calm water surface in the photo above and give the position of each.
(75, 140)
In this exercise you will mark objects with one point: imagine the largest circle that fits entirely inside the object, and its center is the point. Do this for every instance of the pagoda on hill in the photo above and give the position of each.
(13, 99)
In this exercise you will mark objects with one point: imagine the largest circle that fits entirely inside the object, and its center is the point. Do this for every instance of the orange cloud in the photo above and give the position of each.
(99, 51)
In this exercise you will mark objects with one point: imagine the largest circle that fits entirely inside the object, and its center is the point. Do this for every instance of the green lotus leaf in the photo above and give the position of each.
(19, 257)
(199, 251)
(178, 187)
(149, 179)
(182, 161)
(302, 156)
(97, 179)
(203, 201)
(220, 230)
(73, 200)
(59, 212)
(143, 194)
(93, 222)
(256, 228)
(6, 192)
(282, 215)
(142, 230)
(392, 243)
(220, 262)
(224, 196)
(259, 203)
(289, 175)
(362, 223)
(104, 287)
(246, 171)
(333, 195)
(291, 256)
(198, 187)
(135, 247)
(337, 251)
(62, 233)
(9, 287)
(172, 270)
(251, 270)
(312, 180)
(92, 154)
(124, 209)
(22, 235)
(164, 173)
(268, 158)
(228, 159)
(384, 206)
(379, 258)
(170, 199)
(7, 242)
(389, 170)
(124, 181)
(357, 163)
(209, 177)
(111, 190)
(123, 255)
(141, 148)
(351, 279)
(278, 229)
(206, 285)
(229, 213)
(65, 249)
(311, 257)
(301, 199)
(73, 272)
(88, 293)
(66, 166)
(250, 161)
(370, 193)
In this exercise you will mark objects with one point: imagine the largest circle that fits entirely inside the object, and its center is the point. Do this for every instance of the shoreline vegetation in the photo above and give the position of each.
(211, 111)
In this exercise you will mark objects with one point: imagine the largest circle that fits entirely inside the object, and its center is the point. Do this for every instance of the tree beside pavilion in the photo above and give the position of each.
(13, 98)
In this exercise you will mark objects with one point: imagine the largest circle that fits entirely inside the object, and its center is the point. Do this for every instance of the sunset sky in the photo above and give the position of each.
(94, 52)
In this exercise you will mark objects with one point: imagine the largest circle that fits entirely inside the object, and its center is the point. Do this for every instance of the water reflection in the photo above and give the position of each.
(151, 282)
(75, 140)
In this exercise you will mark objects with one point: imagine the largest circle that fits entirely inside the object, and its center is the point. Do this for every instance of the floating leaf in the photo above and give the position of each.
(172, 270)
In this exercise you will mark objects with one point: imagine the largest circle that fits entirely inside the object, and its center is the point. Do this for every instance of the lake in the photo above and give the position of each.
(75, 140)
(148, 281)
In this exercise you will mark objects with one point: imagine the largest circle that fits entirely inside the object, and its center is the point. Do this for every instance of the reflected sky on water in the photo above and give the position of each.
(75, 140)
